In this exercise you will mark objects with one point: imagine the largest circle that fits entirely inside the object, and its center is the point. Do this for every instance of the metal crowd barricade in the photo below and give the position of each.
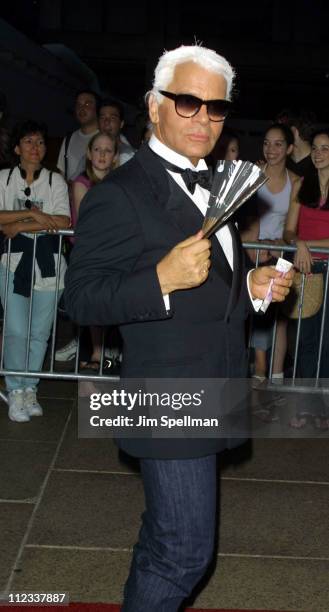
(53, 373)
(293, 384)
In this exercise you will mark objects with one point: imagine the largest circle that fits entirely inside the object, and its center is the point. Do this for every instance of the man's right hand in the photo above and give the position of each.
(186, 265)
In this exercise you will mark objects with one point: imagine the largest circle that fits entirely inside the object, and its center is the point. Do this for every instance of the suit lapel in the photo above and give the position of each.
(185, 215)
(182, 212)
(220, 261)
(237, 268)
(189, 219)
(157, 176)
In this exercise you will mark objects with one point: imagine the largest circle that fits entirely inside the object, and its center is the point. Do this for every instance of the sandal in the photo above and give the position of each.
(300, 421)
(92, 366)
(321, 423)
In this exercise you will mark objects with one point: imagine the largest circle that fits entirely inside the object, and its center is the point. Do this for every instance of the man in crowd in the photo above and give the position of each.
(180, 300)
(111, 120)
(72, 156)
(72, 162)
(302, 125)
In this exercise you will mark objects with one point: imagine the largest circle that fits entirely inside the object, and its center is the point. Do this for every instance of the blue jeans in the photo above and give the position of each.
(16, 331)
(177, 537)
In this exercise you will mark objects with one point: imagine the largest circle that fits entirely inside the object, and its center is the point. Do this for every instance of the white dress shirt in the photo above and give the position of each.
(200, 198)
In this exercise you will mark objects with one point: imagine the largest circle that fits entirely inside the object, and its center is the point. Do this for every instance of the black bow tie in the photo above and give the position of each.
(190, 177)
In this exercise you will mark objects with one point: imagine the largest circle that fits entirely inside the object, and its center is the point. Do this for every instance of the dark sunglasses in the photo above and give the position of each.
(188, 106)
(27, 203)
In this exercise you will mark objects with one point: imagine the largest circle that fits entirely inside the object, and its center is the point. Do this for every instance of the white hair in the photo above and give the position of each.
(206, 58)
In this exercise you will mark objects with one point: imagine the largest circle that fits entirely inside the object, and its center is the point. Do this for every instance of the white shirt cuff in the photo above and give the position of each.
(166, 301)
(256, 302)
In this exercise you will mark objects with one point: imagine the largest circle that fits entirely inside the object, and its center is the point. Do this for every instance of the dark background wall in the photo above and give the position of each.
(280, 48)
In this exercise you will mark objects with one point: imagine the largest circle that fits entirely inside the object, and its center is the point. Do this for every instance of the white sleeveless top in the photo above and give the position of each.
(272, 211)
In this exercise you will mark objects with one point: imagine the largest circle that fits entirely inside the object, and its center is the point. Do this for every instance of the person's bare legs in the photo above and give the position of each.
(96, 339)
(278, 361)
(96, 334)
(87, 387)
(260, 363)
(280, 347)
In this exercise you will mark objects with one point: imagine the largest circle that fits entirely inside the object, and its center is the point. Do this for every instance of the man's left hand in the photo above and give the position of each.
(260, 278)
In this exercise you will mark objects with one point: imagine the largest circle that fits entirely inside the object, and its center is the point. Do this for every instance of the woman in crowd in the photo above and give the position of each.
(101, 158)
(230, 144)
(32, 199)
(307, 226)
(227, 147)
(272, 203)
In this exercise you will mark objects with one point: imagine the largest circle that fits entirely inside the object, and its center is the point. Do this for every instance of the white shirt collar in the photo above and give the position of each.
(172, 156)
(200, 196)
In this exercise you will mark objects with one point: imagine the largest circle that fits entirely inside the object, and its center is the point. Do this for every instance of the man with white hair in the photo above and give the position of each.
(180, 301)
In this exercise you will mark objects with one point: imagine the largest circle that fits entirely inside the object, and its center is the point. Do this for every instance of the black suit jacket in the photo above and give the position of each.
(126, 225)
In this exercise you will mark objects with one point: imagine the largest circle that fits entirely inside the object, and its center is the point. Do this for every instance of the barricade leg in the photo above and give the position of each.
(4, 397)
(42, 320)
(16, 332)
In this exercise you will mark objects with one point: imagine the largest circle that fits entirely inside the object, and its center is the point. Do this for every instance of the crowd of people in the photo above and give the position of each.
(140, 261)
(291, 208)
(34, 199)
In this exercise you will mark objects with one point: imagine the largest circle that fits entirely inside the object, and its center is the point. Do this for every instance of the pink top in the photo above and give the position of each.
(313, 224)
(84, 180)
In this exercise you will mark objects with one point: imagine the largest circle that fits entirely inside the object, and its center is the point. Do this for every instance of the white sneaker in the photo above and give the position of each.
(17, 411)
(31, 403)
(67, 352)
